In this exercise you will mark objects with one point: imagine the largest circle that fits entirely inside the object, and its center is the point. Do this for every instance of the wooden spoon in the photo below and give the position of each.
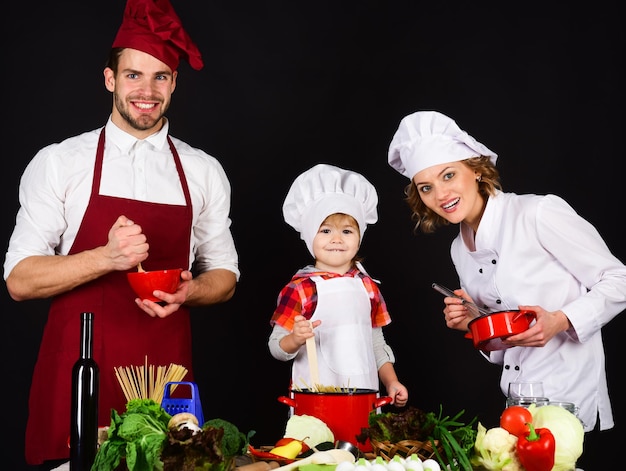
(140, 268)
(311, 353)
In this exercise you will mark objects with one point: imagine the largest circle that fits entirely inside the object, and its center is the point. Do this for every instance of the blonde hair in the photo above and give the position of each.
(426, 219)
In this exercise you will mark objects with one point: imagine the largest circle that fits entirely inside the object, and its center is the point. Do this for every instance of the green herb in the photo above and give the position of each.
(457, 440)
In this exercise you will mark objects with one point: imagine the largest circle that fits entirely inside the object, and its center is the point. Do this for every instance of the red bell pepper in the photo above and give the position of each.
(267, 456)
(535, 450)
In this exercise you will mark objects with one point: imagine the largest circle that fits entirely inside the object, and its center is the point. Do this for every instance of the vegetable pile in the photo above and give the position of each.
(304, 434)
(455, 438)
(546, 438)
(147, 438)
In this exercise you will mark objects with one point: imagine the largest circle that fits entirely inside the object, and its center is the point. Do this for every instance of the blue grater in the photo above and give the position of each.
(175, 405)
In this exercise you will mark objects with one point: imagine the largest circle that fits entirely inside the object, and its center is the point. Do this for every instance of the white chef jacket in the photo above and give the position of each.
(55, 187)
(535, 250)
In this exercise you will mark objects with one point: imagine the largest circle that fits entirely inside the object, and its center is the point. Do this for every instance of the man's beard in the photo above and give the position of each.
(144, 122)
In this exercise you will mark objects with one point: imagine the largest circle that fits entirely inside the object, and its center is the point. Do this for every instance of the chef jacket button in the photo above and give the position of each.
(493, 262)
(498, 301)
(507, 367)
(480, 270)
(516, 368)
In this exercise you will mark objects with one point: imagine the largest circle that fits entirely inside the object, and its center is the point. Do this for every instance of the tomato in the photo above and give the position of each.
(514, 420)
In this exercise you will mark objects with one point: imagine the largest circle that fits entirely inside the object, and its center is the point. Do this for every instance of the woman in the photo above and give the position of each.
(517, 252)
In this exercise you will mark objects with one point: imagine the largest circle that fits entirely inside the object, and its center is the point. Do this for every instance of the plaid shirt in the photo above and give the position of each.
(300, 297)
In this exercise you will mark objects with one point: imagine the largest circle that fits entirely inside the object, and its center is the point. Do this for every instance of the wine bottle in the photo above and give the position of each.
(84, 411)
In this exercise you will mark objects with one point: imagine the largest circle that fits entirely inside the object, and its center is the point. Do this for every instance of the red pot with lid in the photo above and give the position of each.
(488, 331)
(345, 413)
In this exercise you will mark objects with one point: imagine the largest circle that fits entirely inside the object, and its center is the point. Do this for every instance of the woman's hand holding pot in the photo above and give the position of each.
(546, 326)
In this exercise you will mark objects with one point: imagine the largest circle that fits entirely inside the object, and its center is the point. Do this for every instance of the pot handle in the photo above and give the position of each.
(287, 400)
(524, 312)
(382, 401)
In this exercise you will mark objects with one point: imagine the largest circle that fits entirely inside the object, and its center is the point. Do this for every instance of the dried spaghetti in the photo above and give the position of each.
(320, 388)
(148, 381)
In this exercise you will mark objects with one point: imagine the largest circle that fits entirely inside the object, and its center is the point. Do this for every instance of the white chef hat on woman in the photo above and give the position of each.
(427, 138)
(324, 190)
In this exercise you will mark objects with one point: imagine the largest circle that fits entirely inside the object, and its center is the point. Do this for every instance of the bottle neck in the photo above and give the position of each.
(86, 335)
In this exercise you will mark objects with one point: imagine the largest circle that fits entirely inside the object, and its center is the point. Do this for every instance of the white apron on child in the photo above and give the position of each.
(345, 353)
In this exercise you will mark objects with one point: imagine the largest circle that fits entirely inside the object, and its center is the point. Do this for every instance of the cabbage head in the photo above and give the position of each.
(568, 434)
(309, 429)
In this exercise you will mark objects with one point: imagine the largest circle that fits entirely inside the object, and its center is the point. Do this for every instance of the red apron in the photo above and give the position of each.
(123, 334)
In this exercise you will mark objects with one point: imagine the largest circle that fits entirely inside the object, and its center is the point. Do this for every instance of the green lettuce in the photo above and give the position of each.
(137, 436)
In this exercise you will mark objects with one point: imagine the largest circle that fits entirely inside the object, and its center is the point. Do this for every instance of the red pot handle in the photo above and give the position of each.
(524, 312)
(382, 401)
(287, 400)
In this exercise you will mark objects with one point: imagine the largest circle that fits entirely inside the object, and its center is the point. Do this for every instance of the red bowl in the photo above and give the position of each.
(488, 331)
(144, 283)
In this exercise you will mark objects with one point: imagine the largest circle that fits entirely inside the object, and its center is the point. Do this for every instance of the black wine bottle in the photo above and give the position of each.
(84, 412)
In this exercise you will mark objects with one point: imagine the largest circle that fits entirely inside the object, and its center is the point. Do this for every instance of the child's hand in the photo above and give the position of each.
(398, 393)
(303, 329)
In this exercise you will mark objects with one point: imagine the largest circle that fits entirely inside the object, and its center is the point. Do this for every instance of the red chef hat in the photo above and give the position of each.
(152, 26)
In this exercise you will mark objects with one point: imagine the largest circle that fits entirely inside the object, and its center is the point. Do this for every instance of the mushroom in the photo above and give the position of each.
(184, 420)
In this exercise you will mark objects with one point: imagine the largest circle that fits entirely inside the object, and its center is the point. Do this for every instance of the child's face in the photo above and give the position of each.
(336, 243)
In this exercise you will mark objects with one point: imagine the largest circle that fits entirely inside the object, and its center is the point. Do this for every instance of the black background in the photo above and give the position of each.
(287, 85)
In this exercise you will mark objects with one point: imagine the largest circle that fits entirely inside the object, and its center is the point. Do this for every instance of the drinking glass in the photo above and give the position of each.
(522, 389)
(526, 401)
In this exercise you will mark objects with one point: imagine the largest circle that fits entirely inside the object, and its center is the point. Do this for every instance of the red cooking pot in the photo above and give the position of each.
(488, 331)
(345, 413)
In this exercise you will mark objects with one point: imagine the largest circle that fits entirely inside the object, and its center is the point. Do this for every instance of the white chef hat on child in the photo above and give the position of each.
(324, 190)
(428, 138)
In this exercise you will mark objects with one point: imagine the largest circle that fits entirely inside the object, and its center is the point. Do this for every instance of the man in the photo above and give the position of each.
(98, 204)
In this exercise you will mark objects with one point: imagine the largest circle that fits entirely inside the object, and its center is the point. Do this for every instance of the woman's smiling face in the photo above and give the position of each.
(451, 190)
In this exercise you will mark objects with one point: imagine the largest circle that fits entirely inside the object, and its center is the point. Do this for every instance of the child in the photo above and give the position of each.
(335, 301)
